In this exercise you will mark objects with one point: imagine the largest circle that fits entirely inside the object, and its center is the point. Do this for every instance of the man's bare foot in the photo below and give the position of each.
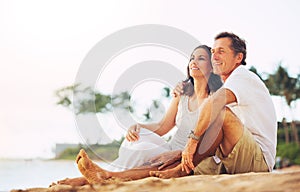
(92, 172)
(79, 181)
(169, 173)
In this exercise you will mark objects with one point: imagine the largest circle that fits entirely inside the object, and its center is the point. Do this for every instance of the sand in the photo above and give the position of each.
(287, 179)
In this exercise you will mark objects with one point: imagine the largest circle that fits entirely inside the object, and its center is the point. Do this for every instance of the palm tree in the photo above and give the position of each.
(85, 100)
(281, 84)
(88, 101)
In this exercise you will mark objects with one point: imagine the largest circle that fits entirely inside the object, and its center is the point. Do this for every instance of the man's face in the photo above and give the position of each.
(223, 58)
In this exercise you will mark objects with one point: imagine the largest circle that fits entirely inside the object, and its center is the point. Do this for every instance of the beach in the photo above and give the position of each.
(287, 179)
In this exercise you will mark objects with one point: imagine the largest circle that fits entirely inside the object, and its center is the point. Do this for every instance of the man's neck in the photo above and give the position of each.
(225, 77)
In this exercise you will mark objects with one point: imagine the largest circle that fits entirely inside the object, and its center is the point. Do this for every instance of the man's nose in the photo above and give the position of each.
(214, 56)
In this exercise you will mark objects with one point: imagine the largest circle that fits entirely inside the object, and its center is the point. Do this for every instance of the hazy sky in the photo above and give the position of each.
(42, 44)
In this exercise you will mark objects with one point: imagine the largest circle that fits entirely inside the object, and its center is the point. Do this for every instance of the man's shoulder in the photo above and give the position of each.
(242, 72)
(243, 78)
(238, 73)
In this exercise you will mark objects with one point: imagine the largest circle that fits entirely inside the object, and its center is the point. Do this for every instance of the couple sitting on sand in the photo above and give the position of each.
(222, 128)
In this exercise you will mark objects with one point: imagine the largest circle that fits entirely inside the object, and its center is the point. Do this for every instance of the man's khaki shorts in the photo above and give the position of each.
(246, 156)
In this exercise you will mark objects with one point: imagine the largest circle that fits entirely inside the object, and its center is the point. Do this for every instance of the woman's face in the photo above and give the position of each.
(200, 64)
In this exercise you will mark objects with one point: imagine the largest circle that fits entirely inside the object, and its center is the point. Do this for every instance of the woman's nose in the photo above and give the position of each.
(192, 62)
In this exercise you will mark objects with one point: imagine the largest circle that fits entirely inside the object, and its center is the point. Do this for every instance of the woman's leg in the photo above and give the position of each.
(134, 154)
(95, 174)
(78, 181)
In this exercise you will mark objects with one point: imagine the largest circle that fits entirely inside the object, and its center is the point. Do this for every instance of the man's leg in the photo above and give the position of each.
(95, 174)
(246, 156)
(232, 132)
(224, 132)
(210, 166)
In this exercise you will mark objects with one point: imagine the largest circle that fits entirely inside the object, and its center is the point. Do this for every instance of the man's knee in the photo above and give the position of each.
(232, 131)
(231, 121)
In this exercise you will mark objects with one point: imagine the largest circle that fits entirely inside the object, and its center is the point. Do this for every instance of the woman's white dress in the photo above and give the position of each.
(133, 154)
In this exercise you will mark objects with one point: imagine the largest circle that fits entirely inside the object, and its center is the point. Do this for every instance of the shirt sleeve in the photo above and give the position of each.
(240, 87)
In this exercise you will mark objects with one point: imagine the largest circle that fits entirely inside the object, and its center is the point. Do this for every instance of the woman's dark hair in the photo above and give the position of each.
(214, 81)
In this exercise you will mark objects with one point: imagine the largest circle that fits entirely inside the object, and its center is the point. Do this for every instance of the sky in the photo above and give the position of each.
(43, 43)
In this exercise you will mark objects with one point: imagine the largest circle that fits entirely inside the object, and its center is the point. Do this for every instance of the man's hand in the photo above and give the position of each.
(165, 159)
(187, 156)
(133, 133)
(178, 90)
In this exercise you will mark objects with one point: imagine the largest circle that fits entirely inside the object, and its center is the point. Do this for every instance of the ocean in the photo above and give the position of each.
(23, 174)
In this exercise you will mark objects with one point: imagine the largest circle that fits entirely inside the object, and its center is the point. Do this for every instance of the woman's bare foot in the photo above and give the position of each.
(92, 172)
(169, 173)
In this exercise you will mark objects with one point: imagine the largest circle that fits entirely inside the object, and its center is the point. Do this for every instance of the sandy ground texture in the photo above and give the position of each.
(282, 180)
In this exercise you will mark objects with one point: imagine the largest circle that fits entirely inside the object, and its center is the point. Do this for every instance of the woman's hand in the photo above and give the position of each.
(178, 90)
(133, 133)
(187, 156)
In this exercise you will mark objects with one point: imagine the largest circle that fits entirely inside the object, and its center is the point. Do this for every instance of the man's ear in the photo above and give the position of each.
(239, 57)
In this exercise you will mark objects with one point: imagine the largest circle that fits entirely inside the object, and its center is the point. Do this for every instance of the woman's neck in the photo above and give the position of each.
(200, 87)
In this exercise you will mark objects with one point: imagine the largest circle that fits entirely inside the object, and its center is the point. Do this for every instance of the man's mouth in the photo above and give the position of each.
(217, 63)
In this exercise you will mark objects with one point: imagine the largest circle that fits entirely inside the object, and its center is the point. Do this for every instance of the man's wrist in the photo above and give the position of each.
(192, 136)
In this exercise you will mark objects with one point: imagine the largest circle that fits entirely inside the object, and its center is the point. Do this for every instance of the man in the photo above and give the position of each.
(241, 115)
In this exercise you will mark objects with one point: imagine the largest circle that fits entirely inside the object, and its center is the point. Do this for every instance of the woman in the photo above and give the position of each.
(144, 147)
(141, 144)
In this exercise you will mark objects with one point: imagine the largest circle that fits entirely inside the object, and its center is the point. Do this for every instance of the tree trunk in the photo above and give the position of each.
(295, 132)
(286, 131)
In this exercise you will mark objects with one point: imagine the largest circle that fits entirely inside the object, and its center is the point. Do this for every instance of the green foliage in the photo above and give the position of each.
(289, 151)
(282, 84)
(107, 152)
(167, 92)
(254, 70)
(104, 152)
(69, 153)
(102, 102)
(281, 135)
(85, 100)
(64, 94)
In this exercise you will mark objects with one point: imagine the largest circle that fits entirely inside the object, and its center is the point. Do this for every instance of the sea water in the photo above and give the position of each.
(23, 174)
